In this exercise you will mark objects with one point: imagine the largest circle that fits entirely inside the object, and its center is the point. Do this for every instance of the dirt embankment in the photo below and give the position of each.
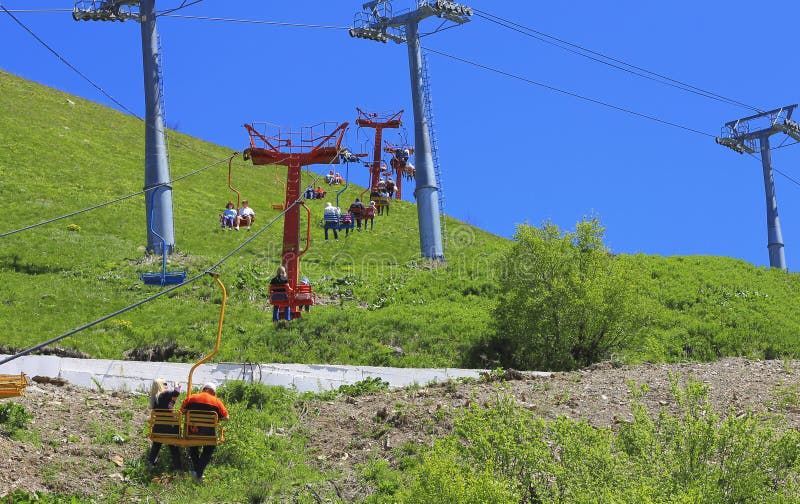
(75, 450)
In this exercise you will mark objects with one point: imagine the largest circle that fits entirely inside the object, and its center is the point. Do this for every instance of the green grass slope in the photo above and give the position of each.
(61, 154)
(702, 308)
(379, 303)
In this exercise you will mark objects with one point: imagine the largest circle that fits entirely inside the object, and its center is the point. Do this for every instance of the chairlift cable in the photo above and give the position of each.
(788, 177)
(93, 84)
(569, 93)
(601, 58)
(257, 21)
(101, 319)
(183, 5)
(37, 11)
(117, 200)
(70, 65)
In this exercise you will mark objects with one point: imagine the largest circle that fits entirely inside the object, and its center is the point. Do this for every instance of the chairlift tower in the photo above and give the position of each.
(160, 225)
(751, 134)
(273, 145)
(379, 122)
(400, 164)
(376, 22)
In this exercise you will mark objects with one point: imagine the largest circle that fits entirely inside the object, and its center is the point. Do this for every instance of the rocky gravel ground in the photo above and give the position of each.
(79, 439)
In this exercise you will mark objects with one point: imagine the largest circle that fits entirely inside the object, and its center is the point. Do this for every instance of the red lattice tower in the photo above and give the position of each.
(379, 121)
(318, 144)
(401, 164)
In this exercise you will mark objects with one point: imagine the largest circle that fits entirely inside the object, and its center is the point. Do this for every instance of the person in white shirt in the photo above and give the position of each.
(246, 216)
(331, 216)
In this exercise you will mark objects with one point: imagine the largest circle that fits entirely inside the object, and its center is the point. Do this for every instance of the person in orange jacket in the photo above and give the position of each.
(205, 400)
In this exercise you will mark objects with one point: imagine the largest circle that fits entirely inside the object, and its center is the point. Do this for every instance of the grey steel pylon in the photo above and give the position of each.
(376, 22)
(751, 134)
(156, 163)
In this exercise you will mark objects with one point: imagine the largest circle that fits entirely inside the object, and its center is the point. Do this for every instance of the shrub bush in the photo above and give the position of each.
(500, 452)
(563, 301)
(13, 418)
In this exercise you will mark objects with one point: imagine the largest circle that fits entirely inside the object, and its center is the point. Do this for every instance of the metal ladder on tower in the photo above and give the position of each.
(161, 94)
(426, 88)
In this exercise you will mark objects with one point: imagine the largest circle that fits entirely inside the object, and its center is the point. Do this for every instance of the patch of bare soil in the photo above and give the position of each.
(76, 452)
(73, 449)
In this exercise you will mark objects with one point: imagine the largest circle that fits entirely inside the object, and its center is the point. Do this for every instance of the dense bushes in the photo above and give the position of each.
(503, 453)
(563, 301)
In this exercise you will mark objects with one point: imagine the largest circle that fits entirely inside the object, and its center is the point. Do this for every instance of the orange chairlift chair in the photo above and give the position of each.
(194, 428)
(284, 296)
(13, 385)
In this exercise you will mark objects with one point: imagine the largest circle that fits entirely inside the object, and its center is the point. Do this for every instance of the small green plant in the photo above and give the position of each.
(98, 385)
(13, 418)
(126, 415)
(73, 227)
(786, 398)
(257, 395)
(102, 434)
(378, 474)
(365, 386)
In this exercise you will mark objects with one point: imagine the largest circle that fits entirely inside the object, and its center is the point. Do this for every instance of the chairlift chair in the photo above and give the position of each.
(13, 385)
(195, 427)
(163, 277)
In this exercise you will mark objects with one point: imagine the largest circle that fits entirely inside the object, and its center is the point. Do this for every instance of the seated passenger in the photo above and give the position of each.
(357, 209)
(347, 222)
(331, 215)
(383, 201)
(279, 291)
(369, 215)
(319, 193)
(246, 216)
(303, 295)
(228, 217)
(338, 179)
(330, 177)
(390, 187)
(348, 157)
(410, 172)
(309, 194)
(205, 400)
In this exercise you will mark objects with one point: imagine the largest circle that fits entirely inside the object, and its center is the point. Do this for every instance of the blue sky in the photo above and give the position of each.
(510, 151)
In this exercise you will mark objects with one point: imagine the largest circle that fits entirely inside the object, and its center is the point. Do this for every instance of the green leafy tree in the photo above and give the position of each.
(563, 302)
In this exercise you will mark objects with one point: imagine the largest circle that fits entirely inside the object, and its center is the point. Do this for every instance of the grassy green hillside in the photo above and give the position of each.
(703, 308)
(380, 304)
(61, 154)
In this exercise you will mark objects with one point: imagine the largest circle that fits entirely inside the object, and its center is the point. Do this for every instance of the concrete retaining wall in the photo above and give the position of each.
(132, 375)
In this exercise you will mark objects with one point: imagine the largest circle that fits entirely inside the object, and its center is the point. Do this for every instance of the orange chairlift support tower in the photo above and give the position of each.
(319, 144)
(379, 122)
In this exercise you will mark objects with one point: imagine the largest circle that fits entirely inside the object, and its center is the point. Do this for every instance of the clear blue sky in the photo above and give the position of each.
(510, 151)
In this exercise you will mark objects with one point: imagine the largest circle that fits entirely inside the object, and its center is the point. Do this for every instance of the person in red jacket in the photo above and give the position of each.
(206, 400)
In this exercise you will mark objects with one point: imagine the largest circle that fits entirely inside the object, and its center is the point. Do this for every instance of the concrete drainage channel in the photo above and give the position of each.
(136, 376)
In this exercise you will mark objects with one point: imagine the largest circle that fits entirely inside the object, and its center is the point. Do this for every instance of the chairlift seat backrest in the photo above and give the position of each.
(13, 385)
(280, 295)
(195, 428)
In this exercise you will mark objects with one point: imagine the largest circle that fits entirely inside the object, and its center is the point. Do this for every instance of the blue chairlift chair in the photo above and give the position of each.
(162, 277)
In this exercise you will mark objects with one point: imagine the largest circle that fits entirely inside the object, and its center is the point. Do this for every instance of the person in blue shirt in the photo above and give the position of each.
(228, 217)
